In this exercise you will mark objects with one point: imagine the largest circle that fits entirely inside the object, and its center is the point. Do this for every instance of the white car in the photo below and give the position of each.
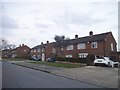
(105, 61)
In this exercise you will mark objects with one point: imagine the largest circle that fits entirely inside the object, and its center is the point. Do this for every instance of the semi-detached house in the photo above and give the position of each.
(102, 44)
(23, 51)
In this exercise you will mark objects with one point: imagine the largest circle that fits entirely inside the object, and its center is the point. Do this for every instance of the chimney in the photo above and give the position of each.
(90, 33)
(19, 45)
(47, 42)
(22, 44)
(76, 36)
(41, 43)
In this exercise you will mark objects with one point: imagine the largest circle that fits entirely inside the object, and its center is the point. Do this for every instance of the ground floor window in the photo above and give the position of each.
(83, 55)
(69, 56)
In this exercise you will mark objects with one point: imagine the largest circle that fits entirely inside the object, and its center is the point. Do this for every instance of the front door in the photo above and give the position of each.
(43, 57)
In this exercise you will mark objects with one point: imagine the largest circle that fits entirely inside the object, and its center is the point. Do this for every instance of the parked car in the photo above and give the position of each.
(34, 57)
(51, 59)
(105, 61)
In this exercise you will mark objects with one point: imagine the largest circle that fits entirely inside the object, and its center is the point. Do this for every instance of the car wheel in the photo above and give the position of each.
(96, 64)
(108, 64)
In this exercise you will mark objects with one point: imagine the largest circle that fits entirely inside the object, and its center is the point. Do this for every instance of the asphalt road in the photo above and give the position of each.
(14, 76)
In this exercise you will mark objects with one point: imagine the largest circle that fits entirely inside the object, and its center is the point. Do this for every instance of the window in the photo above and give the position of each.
(112, 47)
(94, 45)
(25, 50)
(42, 49)
(69, 56)
(53, 50)
(61, 49)
(38, 49)
(34, 50)
(83, 55)
(70, 47)
(31, 50)
(38, 57)
(81, 46)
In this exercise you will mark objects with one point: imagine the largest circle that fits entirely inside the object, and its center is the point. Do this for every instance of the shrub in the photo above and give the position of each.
(75, 60)
(90, 59)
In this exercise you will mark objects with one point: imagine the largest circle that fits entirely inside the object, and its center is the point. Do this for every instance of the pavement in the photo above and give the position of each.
(104, 76)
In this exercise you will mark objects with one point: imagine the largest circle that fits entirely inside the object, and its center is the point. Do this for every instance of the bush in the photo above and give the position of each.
(75, 60)
(23, 56)
(90, 59)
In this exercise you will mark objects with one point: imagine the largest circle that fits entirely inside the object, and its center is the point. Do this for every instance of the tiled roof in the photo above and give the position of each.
(93, 38)
(97, 37)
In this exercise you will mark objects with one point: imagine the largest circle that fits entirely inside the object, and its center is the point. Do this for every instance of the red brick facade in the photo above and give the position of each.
(100, 45)
(22, 51)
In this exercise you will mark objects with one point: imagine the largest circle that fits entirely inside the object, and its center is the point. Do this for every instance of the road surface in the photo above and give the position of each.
(21, 77)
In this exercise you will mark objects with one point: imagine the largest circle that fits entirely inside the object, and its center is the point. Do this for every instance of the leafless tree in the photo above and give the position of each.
(5, 45)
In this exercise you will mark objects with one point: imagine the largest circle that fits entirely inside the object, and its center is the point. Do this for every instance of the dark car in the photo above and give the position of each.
(51, 59)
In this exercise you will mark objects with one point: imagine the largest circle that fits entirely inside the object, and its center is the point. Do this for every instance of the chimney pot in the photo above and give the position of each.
(90, 33)
(76, 36)
(47, 41)
(42, 43)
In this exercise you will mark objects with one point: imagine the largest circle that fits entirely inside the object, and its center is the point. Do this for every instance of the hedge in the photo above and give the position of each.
(89, 60)
(76, 60)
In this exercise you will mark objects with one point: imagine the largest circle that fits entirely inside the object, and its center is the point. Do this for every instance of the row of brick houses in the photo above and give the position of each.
(23, 51)
(102, 44)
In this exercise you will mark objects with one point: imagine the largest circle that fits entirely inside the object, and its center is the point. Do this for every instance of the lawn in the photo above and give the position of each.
(58, 64)
(12, 59)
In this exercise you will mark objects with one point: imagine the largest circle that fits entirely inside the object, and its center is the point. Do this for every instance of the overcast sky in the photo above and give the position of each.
(32, 22)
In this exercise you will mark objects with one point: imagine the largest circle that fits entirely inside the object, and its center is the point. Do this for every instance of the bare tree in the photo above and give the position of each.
(61, 41)
(3, 44)
(11, 46)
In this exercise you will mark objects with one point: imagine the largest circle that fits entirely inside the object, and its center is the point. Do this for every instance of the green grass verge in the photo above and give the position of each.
(12, 59)
(56, 64)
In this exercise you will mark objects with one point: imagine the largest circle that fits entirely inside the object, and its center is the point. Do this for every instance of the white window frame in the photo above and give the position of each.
(81, 46)
(25, 50)
(83, 55)
(43, 50)
(31, 50)
(70, 47)
(112, 49)
(53, 50)
(34, 50)
(62, 49)
(94, 45)
(69, 56)
(38, 50)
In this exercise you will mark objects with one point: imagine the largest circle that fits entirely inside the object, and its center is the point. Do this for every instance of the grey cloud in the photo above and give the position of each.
(72, 18)
(8, 23)
(41, 25)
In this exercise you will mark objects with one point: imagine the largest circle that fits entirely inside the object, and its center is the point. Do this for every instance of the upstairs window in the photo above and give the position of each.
(25, 50)
(94, 45)
(70, 47)
(53, 50)
(34, 50)
(38, 50)
(81, 46)
(112, 47)
(31, 50)
(42, 49)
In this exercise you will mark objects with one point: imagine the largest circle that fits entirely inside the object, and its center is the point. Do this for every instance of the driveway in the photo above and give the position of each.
(104, 76)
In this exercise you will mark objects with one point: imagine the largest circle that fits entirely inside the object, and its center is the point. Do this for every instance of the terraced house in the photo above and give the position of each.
(102, 44)
(23, 51)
